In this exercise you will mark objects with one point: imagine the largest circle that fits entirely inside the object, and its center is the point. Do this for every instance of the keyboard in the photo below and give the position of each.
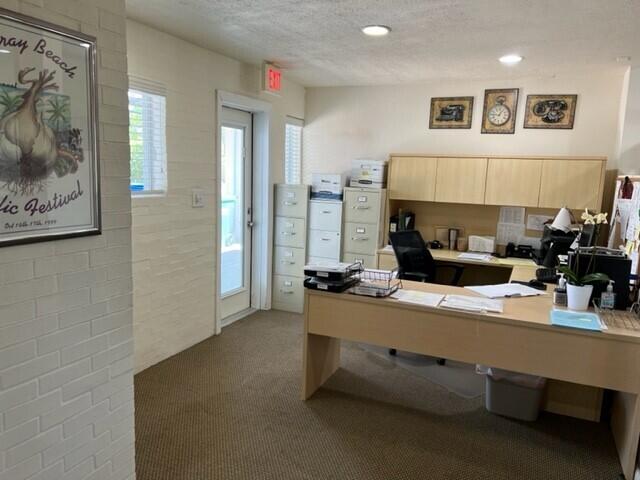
(547, 275)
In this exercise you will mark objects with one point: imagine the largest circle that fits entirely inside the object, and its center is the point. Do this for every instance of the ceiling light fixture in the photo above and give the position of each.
(376, 30)
(511, 59)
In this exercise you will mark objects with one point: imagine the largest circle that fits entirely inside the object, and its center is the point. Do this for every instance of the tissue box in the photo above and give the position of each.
(478, 243)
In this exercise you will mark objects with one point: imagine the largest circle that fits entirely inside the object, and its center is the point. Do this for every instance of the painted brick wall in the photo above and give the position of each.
(173, 244)
(66, 335)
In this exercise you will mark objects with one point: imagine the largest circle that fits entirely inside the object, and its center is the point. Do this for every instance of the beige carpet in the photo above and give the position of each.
(229, 408)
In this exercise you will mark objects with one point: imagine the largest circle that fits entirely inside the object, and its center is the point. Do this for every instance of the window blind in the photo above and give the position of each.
(147, 137)
(293, 151)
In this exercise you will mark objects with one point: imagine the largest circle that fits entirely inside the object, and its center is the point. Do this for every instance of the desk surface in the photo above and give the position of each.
(443, 254)
(522, 311)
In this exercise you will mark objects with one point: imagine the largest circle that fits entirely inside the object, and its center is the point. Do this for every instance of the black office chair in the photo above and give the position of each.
(416, 263)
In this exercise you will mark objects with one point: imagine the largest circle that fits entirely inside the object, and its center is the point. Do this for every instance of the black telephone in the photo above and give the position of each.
(519, 251)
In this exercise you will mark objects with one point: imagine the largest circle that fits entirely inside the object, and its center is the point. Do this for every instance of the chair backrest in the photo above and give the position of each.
(412, 253)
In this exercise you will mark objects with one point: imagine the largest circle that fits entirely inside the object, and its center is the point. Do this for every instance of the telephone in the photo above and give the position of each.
(519, 251)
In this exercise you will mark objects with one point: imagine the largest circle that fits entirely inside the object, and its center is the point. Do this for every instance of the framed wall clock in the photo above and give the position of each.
(500, 108)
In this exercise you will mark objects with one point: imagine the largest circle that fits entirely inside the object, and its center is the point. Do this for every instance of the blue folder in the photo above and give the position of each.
(581, 320)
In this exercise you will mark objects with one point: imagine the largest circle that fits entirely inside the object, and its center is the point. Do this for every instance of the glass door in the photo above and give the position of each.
(235, 212)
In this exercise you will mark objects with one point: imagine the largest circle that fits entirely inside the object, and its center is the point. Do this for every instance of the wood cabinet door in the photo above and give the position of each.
(576, 184)
(412, 178)
(513, 182)
(461, 180)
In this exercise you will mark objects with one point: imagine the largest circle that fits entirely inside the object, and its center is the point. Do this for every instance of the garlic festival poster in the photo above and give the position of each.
(48, 166)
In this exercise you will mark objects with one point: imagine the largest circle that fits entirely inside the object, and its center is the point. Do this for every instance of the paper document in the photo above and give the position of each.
(479, 257)
(509, 233)
(536, 222)
(418, 298)
(581, 320)
(511, 215)
(506, 290)
(472, 304)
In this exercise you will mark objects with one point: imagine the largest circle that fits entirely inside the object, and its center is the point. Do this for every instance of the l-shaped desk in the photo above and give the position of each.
(609, 359)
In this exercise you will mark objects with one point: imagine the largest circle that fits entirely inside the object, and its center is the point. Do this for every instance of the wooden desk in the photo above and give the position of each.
(520, 339)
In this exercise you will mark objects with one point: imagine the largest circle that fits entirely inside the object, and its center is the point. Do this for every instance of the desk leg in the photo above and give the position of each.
(321, 360)
(625, 424)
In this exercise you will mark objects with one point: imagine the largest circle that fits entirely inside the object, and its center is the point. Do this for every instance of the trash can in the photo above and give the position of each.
(514, 395)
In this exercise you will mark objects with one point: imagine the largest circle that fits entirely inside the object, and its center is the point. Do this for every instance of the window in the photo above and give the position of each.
(293, 151)
(147, 139)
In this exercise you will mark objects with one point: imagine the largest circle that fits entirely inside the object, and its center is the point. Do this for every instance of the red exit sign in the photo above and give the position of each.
(271, 78)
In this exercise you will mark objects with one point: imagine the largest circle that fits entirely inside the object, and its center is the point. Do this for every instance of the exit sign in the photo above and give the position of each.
(271, 78)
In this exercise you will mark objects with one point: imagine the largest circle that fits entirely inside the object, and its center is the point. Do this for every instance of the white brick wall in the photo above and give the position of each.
(174, 245)
(66, 335)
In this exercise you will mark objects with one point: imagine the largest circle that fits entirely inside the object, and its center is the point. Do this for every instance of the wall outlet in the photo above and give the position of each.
(197, 198)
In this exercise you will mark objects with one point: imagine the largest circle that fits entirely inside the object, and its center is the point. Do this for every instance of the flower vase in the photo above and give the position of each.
(578, 296)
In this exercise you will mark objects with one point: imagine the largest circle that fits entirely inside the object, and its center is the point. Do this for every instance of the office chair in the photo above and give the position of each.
(416, 263)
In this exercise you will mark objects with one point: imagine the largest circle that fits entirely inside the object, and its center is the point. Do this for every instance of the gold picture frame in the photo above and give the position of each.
(550, 111)
(451, 113)
(500, 110)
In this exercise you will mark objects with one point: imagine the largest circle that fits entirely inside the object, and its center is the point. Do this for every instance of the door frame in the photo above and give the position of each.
(262, 233)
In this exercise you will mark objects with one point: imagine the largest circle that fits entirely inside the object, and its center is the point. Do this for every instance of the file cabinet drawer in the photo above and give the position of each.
(289, 261)
(291, 201)
(325, 215)
(360, 238)
(362, 207)
(288, 293)
(289, 232)
(369, 261)
(324, 244)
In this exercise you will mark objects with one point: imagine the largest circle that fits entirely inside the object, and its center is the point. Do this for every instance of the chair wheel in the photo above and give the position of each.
(441, 361)
(393, 351)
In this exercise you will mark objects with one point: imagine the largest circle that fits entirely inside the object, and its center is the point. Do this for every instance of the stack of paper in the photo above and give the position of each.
(418, 298)
(506, 290)
(472, 304)
(478, 257)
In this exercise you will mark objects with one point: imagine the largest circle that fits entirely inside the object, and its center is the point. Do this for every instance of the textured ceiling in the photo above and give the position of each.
(319, 42)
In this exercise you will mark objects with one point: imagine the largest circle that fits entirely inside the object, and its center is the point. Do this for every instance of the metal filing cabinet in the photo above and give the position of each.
(325, 231)
(364, 221)
(289, 251)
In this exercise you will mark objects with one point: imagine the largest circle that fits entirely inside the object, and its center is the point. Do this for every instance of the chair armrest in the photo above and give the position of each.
(415, 276)
(457, 271)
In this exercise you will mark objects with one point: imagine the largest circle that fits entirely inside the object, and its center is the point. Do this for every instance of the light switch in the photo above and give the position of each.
(197, 198)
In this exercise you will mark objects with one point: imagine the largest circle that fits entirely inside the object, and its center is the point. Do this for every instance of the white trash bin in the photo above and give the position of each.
(514, 395)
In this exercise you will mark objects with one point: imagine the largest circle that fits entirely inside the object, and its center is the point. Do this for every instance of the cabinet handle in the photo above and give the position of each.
(360, 207)
(287, 262)
(325, 239)
(287, 292)
(289, 204)
(289, 234)
(359, 239)
(326, 212)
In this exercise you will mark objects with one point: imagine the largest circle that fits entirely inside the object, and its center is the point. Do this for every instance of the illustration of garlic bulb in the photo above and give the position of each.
(29, 148)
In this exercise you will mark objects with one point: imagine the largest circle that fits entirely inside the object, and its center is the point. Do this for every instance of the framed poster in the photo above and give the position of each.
(550, 111)
(451, 112)
(500, 108)
(49, 178)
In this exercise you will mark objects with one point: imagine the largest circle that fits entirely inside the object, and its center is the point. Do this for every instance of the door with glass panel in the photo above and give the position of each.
(235, 212)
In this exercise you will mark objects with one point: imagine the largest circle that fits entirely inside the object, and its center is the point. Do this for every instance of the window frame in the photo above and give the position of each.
(151, 88)
(296, 122)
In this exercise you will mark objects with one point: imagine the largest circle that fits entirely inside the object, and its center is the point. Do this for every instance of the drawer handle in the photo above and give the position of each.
(326, 212)
(361, 207)
(287, 262)
(290, 234)
(326, 239)
(287, 292)
(289, 204)
(359, 239)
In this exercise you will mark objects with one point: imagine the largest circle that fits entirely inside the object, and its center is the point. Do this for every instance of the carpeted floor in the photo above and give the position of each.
(229, 408)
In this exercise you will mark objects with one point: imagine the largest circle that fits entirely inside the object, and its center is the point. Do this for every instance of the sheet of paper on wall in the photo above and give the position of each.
(536, 222)
(509, 232)
(512, 215)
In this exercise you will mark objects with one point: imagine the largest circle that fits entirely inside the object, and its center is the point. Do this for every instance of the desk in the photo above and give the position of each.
(610, 359)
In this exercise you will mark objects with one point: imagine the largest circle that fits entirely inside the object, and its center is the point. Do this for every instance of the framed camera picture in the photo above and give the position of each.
(49, 179)
(451, 112)
(550, 111)
(500, 109)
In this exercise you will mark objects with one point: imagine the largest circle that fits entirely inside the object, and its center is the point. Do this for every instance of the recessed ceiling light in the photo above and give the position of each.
(376, 30)
(510, 59)
(4, 51)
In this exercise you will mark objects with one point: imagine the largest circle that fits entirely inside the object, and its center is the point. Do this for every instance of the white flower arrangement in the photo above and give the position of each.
(597, 219)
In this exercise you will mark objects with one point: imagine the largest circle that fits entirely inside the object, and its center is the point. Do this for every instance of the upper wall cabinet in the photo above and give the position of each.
(413, 178)
(574, 183)
(461, 180)
(513, 181)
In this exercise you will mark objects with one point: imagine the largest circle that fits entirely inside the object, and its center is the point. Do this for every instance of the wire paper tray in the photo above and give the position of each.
(622, 319)
(377, 283)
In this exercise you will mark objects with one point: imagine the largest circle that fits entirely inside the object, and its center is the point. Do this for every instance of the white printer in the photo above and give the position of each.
(367, 173)
(327, 186)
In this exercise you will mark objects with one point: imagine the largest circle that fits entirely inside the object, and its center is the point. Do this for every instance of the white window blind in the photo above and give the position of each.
(293, 151)
(147, 138)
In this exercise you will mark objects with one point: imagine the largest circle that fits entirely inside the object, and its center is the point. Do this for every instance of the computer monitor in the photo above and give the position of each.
(554, 243)
(587, 236)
